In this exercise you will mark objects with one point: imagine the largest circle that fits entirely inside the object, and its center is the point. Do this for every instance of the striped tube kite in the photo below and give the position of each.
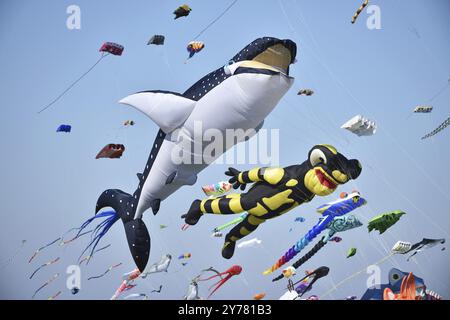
(360, 9)
(441, 127)
(339, 224)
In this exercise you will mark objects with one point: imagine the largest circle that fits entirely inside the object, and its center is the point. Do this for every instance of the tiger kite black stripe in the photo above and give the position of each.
(276, 191)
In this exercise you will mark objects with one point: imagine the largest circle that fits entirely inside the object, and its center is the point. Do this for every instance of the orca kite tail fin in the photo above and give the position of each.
(137, 234)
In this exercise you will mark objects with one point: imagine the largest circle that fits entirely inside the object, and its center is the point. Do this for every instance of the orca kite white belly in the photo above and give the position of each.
(240, 102)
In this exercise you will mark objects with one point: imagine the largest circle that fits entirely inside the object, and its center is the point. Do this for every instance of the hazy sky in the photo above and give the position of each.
(50, 182)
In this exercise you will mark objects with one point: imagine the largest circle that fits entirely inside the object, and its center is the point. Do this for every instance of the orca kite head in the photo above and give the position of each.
(276, 53)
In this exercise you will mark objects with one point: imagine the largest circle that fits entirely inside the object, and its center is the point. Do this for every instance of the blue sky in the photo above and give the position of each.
(50, 182)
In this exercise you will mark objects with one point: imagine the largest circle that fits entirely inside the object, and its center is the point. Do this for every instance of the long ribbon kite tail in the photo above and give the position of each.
(301, 244)
(42, 248)
(319, 245)
(44, 265)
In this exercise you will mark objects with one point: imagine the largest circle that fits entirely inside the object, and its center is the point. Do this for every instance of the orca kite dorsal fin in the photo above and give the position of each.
(167, 109)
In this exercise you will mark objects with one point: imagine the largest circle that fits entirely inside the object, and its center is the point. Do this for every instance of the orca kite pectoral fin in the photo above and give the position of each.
(167, 109)
(137, 234)
(155, 206)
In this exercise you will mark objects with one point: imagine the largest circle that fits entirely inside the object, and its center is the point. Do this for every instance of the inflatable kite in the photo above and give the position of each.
(259, 296)
(336, 239)
(330, 211)
(278, 190)
(394, 285)
(194, 47)
(315, 275)
(192, 291)
(441, 127)
(136, 296)
(128, 123)
(238, 96)
(157, 40)
(111, 151)
(360, 126)
(339, 224)
(288, 272)
(124, 286)
(106, 49)
(185, 256)
(402, 247)
(423, 109)
(249, 243)
(233, 271)
(64, 128)
(161, 266)
(217, 189)
(182, 11)
(305, 92)
(384, 221)
(351, 252)
(112, 48)
(217, 235)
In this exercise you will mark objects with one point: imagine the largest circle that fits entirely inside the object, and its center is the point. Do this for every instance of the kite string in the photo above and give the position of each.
(74, 83)
(355, 274)
(215, 20)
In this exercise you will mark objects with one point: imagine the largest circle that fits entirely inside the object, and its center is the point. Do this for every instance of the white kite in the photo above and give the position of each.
(249, 243)
(360, 126)
(423, 109)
